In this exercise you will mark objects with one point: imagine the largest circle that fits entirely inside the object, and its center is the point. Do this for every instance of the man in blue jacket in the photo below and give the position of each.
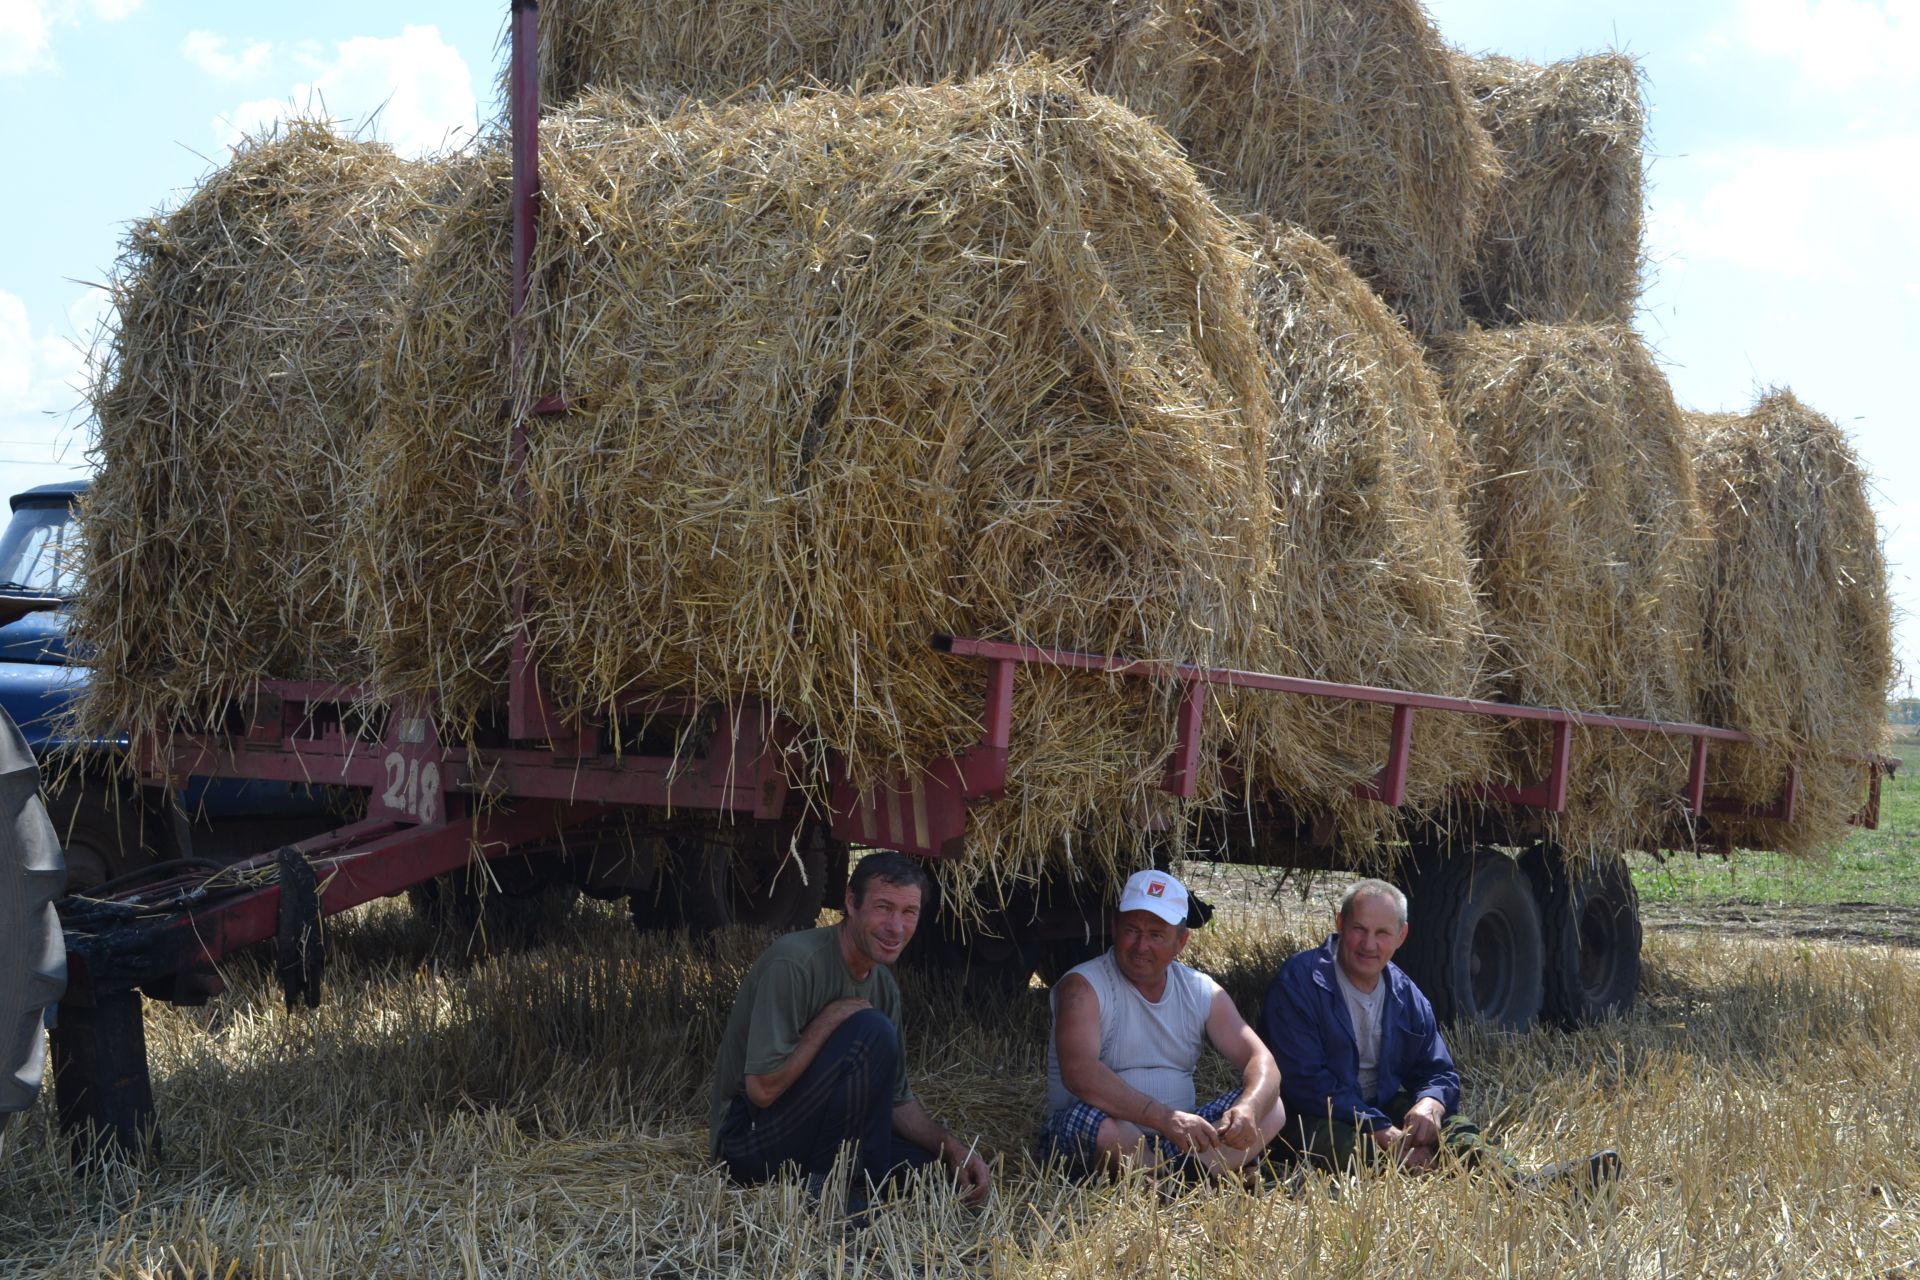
(1364, 1071)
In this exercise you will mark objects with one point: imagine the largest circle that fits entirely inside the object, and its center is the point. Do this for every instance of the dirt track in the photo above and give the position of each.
(1862, 923)
(1234, 889)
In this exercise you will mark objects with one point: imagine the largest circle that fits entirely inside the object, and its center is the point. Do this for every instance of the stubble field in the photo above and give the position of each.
(541, 1113)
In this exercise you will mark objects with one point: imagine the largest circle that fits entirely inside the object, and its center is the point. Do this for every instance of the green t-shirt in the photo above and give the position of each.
(794, 979)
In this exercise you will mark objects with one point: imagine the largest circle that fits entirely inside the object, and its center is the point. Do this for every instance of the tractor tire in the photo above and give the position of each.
(33, 955)
(1590, 922)
(100, 832)
(1474, 944)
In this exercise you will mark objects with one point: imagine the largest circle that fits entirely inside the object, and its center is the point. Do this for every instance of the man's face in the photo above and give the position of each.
(1145, 946)
(1370, 931)
(882, 923)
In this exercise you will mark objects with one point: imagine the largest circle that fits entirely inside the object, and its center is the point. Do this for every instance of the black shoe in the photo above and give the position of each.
(1600, 1169)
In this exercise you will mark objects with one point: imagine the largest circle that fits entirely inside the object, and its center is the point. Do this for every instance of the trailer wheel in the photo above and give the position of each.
(33, 956)
(1590, 921)
(1474, 944)
(743, 876)
(511, 915)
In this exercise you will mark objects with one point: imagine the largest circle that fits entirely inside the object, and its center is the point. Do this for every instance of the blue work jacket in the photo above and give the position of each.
(1304, 1020)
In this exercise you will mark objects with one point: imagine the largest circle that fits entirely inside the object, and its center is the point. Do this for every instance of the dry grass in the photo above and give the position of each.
(1369, 569)
(1562, 238)
(1799, 621)
(1591, 548)
(232, 401)
(541, 1113)
(845, 372)
(1343, 116)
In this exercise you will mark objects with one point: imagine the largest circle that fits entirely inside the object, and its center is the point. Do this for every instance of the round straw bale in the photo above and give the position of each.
(1590, 544)
(1799, 636)
(231, 398)
(1344, 116)
(1369, 569)
(842, 373)
(1562, 237)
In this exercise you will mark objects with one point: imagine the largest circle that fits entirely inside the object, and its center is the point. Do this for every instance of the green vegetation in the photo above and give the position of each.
(1879, 867)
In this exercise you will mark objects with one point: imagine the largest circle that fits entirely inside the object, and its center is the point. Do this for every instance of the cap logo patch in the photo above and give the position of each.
(1158, 889)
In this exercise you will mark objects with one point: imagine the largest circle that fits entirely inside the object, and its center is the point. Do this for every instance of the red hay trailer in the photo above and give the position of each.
(691, 810)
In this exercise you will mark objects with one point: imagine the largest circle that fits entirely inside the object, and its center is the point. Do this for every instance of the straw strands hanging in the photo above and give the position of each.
(843, 373)
(1562, 237)
(231, 399)
(1346, 117)
(1799, 621)
(1591, 547)
(1369, 568)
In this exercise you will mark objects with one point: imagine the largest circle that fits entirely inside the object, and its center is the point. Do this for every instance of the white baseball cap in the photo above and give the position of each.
(1158, 892)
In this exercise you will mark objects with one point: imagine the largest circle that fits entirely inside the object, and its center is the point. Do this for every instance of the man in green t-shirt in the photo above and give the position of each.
(811, 1059)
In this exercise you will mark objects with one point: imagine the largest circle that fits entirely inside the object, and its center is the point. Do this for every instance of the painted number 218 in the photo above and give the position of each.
(413, 787)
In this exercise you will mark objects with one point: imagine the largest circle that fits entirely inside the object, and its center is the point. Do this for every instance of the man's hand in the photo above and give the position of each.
(1239, 1128)
(1423, 1121)
(1418, 1159)
(970, 1173)
(1188, 1132)
(1392, 1139)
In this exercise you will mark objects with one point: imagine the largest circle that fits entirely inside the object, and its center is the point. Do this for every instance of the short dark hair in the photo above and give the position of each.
(888, 867)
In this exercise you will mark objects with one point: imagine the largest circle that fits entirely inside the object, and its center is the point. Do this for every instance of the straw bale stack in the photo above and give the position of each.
(1588, 529)
(1562, 237)
(1370, 580)
(231, 398)
(1346, 117)
(1799, 622)
(843, 373)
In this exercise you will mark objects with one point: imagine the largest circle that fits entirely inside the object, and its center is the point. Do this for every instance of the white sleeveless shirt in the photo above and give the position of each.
(1153, 1045)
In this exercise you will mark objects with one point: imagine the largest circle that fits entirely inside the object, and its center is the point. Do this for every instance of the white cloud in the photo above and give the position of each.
(208, 52)
(1839, 45)
(413, 91)
(1799, 212)
(26, 28)
(25, 37)
(43, 434)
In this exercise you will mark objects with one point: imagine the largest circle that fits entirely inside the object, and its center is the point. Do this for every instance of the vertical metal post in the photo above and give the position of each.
(525, 710)
(101, 1088)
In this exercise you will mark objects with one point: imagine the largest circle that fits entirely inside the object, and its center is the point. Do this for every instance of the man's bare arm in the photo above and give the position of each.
(763, 1090)
(1076, 1030)
(1237, 1042)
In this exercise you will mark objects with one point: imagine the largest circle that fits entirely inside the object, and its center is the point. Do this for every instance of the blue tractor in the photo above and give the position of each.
(107, 827)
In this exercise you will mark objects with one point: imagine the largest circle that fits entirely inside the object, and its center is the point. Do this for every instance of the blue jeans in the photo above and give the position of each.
(845, 1096)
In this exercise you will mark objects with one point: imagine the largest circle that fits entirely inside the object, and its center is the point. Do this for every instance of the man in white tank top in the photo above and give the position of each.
(1128, 1030)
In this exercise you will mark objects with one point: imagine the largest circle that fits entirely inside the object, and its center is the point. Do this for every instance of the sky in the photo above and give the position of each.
(1784, 181)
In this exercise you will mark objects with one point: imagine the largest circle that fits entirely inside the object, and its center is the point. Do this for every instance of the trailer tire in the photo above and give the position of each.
(1590, 923)
(33, 956)
(480, 921)
(1474, 945)
(713, 879)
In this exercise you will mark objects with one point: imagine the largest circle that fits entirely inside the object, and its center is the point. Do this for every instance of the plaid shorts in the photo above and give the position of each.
(1071, 1133)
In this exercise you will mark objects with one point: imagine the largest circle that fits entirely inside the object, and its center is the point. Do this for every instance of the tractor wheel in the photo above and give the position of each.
(33, 956)
(1590, 921)
(1474, 944)
(100, 832)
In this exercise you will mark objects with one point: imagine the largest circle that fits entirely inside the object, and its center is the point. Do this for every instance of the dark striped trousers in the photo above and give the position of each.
(845, 1096)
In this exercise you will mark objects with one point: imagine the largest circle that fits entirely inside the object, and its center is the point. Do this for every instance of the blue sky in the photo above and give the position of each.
(1784, 204)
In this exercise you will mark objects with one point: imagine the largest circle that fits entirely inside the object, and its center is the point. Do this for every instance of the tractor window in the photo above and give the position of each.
(37, 553)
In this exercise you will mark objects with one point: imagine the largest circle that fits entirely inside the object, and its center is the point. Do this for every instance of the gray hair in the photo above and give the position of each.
(1374, 889)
